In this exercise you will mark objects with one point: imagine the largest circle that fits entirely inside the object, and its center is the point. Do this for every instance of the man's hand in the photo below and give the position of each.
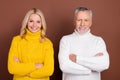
(72, 57)
(99, 54)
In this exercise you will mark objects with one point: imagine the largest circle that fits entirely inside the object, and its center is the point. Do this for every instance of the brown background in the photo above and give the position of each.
(59, 18)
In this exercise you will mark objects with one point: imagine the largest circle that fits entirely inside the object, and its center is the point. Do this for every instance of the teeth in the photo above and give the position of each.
(82, 28)
(34, 28)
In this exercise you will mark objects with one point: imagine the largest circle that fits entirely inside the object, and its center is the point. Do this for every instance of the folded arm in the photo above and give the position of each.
(48, 66)
(98, 62)
(36, 65)
(67, 65)
(14, 64)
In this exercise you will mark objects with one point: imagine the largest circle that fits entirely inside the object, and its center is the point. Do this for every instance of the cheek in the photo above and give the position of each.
(40, 25)
(29, 24)
(76, 23)
(28, 27)
(89, 24)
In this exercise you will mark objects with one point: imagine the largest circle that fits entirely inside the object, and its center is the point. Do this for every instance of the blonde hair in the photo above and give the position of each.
(25, 22)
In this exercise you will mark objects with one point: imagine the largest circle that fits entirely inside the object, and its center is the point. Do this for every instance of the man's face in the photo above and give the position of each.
(83, 21)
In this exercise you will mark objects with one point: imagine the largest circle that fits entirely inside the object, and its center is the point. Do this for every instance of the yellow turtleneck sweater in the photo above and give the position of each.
(30, 51)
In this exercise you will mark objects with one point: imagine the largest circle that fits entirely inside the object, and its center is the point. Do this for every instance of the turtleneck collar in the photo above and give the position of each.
(32, 36)
(82, 35)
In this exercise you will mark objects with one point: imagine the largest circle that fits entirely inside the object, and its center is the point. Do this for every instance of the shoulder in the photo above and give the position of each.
(98, 39)
(67, 37)
(16, 38)
(48, 41)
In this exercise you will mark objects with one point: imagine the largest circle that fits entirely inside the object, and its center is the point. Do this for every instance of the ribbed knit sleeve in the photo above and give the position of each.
(66, 65)
(96, 63)
(48, 65)
(18, 67)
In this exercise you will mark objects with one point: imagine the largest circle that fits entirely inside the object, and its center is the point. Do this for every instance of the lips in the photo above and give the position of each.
(34, 28)
(82, 28)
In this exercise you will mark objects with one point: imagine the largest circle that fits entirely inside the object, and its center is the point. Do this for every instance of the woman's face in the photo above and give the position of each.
(34, 23)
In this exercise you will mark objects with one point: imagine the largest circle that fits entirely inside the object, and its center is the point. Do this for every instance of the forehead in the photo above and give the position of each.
(85, 14)
(34, 16)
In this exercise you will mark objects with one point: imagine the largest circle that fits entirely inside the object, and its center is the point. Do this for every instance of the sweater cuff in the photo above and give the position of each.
(79, 59)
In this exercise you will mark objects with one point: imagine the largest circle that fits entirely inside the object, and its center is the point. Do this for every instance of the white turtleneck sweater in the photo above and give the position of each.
(87, 66)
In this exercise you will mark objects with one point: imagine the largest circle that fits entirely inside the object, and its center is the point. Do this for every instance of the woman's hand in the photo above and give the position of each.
(16, 59)
(38, 65)
(28, 75)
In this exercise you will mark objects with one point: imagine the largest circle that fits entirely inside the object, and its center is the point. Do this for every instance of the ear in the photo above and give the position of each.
(74, 22)
(91, 24)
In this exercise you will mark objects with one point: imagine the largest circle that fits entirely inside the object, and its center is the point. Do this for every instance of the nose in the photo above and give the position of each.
(34, 24)
(82, 23)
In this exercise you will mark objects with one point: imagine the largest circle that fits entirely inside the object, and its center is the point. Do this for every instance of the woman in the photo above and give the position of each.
(31, 55)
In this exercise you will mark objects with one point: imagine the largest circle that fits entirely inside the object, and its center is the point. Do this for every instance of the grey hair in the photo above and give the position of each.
(82, 9)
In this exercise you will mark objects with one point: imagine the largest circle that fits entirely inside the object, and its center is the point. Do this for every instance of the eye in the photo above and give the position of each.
(78, 19)
(30, 20)
(38, 21)
(86, 20)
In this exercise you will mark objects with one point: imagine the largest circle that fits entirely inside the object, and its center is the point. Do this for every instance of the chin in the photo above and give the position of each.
(81, 32)
(34, 31)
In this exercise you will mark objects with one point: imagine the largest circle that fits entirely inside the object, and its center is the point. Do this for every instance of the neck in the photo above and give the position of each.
(82, 35)
(32, 36)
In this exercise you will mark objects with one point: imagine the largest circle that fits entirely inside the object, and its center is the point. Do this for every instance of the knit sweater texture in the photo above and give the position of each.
(29, 51)
(87, 66)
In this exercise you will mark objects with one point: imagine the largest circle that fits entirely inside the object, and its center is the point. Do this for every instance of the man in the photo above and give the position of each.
(82, 55)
